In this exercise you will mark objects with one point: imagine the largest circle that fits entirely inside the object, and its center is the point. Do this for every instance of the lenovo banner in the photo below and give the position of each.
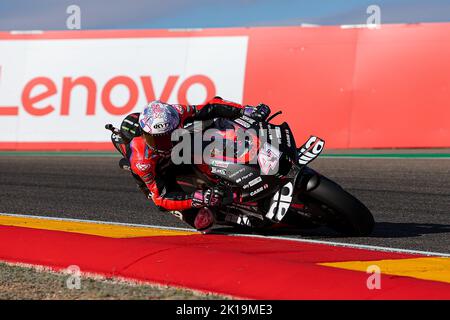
(66, 90)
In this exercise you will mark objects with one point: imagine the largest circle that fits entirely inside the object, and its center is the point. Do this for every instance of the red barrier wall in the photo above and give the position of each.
(307, 73)
(354, 87)
(359, 87)
(402, 87)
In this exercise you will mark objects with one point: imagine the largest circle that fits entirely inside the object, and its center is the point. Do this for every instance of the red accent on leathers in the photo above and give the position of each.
(149, 165)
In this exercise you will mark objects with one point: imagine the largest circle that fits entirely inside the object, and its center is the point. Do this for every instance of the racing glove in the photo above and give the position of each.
(258, 113)
(212, 197)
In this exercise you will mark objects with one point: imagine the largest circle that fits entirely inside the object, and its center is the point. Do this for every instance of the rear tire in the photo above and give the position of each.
(344, 213)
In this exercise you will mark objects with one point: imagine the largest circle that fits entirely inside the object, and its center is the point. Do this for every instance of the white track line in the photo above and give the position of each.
(331, 243)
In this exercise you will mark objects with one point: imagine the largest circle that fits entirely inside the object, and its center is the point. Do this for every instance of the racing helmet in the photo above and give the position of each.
(158, 120)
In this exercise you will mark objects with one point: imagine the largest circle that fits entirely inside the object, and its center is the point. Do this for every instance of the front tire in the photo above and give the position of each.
(343, 212)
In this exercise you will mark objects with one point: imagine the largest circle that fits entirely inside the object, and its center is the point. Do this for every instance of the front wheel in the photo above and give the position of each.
(341, 210)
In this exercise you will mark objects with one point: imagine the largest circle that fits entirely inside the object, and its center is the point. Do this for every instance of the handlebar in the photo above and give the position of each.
(273, 116)
(111, 128)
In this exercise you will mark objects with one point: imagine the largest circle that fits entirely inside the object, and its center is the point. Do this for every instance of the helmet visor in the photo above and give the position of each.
(159, 142)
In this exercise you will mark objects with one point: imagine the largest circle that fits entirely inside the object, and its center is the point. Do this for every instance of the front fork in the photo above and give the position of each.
(307, 180)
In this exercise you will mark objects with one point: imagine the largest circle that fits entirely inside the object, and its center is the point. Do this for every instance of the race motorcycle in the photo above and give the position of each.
(277, 189)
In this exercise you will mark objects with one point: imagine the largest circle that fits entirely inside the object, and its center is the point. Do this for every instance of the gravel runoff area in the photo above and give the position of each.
(26, 282)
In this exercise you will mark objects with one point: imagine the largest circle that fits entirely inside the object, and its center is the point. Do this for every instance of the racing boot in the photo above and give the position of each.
(204, 220)
(201, 219)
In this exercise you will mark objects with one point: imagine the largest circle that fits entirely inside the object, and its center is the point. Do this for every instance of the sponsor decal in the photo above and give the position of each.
(236, 173)
(252, 183)
(147, 178)
(242, 123)
(268, 158)
(248, 119)
(130, 122)
(260, 189)
(288, 138)
(255, 181)
(269, 134)
(180, 108)
(248, 175)
(262, 131)
(278, 134)
(220, 164)
(219, 171)
(310, 150)
(160, 126)
(281, 202)
(116, 138)
(143, 166)
(243, 221)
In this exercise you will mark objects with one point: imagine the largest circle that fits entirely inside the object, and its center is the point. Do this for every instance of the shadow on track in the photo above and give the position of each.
(405, 230)
(381, 230)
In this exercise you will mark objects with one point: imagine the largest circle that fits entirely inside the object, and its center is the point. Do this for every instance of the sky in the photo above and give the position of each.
(163, 14)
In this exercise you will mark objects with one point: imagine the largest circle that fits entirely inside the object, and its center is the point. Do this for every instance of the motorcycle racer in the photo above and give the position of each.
(148, 146)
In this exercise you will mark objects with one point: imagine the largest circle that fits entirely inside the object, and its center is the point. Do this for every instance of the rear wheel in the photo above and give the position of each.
(340, 210)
